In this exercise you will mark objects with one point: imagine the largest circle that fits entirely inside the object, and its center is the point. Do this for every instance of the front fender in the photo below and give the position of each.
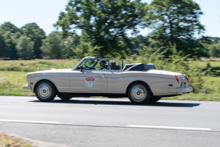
(44, 79)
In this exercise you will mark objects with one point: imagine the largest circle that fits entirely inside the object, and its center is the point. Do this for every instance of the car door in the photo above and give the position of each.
(90, 80)
(116, 80)
(96, 81)
(77, 82)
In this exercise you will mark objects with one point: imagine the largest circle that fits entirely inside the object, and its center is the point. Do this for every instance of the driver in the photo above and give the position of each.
(102, 65)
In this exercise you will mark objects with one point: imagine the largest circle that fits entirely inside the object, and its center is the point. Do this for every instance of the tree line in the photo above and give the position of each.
(105, 27)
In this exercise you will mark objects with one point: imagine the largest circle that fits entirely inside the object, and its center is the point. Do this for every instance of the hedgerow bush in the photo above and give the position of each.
(175, 62)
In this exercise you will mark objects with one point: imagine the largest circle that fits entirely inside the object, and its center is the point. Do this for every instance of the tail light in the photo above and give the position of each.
(177, 78)
(187, 78)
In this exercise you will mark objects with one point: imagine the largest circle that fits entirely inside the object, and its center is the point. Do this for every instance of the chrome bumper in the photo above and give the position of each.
(27, 87)
(180, 90)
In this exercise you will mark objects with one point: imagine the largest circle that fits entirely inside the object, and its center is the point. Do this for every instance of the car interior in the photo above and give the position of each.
(93, 64)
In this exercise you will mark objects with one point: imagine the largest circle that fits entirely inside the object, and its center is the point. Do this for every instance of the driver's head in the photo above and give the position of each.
(102, 63)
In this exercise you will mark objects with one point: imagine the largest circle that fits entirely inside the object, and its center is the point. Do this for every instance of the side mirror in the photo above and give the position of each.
(82, 68)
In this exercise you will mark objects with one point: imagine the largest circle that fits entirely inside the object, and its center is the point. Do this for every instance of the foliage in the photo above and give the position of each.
(214, 50)
(176, 22)
(137, 41)
(25, 47)
(33, 31)
(10, 46)
(52, 46)
(105, 22)
(2, 44)
(70, 44)
(175, 62)
(105, 26)
(9, 27)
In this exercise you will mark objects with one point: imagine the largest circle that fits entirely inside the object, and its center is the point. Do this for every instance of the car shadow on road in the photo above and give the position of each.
(120, 102)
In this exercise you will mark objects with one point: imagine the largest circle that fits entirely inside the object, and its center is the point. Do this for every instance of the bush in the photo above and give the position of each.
(175, 62)
(10, 68)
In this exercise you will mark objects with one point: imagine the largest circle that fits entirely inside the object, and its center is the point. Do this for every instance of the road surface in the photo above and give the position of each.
(112, 122)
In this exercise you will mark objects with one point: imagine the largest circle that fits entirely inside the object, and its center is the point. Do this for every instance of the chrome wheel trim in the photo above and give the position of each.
(138, 93)
(44, 91)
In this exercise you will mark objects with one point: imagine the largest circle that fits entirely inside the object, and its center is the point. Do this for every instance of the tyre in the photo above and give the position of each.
(64, 97)
(155, 99)
(45, 91)
(139, 93)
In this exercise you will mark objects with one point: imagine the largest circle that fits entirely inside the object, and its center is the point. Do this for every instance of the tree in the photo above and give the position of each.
(9, 27)
(10, 46)
(33, 31)
(137, 41)
(70, 44)
(214, 50)
(105, 22)
(2, 44)
(25, 47)
(52, 46)
(9, 31)
(176, 22)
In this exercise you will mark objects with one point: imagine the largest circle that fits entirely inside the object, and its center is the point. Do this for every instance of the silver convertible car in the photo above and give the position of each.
(94, 76)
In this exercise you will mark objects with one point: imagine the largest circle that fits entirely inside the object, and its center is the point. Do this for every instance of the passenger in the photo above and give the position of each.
(102, 65)
(113, 64)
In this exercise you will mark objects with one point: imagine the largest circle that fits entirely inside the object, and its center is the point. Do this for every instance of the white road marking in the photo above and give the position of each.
(30, 121)
(169, 127)
(153, 108)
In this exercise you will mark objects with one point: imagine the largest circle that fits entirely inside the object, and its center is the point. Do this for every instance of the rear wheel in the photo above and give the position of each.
(45, 91)
(139, 93)
(155, 99)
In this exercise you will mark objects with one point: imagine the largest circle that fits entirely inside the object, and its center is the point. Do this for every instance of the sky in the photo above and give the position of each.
(46, 12)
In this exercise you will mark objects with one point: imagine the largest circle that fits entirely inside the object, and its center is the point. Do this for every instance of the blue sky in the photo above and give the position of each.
(45, 13)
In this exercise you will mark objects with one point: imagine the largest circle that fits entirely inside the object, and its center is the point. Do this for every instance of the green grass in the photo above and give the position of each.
(11, 82)
(203, 64)
(197, 97)
(13, 73)
(34, 65)
(31, 62)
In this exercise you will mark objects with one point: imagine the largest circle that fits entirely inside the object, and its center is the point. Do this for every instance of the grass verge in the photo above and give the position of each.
(11, 83)
(196, 97)
(11, 141)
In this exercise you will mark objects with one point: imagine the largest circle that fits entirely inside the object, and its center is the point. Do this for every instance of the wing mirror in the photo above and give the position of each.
(82, 68)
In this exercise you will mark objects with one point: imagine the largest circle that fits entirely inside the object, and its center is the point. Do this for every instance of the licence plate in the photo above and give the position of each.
(183, 84)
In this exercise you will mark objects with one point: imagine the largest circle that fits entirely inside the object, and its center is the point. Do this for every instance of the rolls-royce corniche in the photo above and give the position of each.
(95, 76)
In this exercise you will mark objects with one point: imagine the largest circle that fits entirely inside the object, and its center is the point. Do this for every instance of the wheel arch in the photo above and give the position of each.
(45, 80)
(141, 82)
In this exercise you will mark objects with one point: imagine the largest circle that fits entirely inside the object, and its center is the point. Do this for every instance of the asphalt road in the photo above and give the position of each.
(112, 122)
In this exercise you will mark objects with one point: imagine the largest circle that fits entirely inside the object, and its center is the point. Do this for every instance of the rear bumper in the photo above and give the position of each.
(180, 90)
(27, 87)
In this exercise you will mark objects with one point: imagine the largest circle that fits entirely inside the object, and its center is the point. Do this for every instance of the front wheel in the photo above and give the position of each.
(139, 93)
(45, 91)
